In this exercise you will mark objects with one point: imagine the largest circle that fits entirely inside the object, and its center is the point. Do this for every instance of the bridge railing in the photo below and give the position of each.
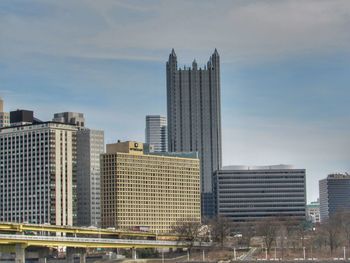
(100, 240)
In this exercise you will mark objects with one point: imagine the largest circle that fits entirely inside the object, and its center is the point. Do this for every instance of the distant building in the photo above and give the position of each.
(70, 118)
(313, 212)
(194, 118)
(156, 132)
(23, 117)
(249, 194)
(37, 172)
(90, 144)
(151, 191)
(4, 116)
(334, 194)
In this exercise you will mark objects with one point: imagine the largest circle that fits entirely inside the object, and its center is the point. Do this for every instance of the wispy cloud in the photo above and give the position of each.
(242, 30)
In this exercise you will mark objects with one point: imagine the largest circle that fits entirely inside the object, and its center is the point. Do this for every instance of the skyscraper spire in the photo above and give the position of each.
(173, 53)
(194, 64)
(216, 53)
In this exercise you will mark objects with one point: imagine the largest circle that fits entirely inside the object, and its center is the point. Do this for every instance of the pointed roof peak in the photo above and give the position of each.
(216, 52)
(173, 53)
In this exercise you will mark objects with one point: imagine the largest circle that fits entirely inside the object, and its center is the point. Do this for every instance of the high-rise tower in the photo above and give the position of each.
(156, 132)
(194, 118)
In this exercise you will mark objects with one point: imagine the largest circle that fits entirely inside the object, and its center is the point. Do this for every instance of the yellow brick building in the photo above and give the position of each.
(147, 190)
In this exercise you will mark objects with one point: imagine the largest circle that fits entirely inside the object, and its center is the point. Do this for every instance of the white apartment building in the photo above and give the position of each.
(37, 173)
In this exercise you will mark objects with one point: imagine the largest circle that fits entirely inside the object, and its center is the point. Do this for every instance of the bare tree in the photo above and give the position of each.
(247, 231)
(189, 230)
(344, 223)
(267, 229)
(330, 229)
(220, 228)
(282, 235)
(302, 230)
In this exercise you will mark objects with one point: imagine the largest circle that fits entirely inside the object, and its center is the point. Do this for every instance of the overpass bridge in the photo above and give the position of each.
(22, 227)
(15, 236)
(56, 241)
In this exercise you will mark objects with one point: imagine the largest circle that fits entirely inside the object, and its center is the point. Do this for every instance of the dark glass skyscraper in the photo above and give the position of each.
(194, 118)
(334, 195)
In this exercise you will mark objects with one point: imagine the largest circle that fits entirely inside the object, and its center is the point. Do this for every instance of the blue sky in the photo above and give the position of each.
(285, 70)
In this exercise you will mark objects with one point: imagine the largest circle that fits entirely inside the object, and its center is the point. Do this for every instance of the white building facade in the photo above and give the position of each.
(37, 173)
(156, 132)
(313, 212)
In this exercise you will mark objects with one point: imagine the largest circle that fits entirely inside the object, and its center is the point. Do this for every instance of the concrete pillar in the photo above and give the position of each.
(70, 251)
(133, 253)
(20, 253)
(82, 253)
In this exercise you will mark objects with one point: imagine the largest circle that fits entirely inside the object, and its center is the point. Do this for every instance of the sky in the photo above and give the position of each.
(285, 70)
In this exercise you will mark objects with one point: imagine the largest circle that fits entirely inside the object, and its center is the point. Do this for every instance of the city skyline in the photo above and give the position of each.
(284, 75)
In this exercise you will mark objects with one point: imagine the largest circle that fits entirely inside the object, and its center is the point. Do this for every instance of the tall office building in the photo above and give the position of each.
(249, 194)
(75, 118)
(37, 173)
(155, 191)
(194, 118)
(156, 132)
(334, 194)
(90, 144)
(4, 116)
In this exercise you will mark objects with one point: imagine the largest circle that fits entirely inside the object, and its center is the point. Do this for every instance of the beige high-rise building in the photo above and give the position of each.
(152, 191)
(4, 116)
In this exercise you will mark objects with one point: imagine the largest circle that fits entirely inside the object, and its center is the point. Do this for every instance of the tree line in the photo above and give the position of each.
(288, 235)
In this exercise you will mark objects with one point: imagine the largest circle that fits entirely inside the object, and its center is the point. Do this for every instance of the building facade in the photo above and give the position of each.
(74, 118)
(313, 212)
(150, 191)
(194, 118)
(250, 194)
(37, 173)
(4, 116)
(334, 194)
(90, 144)
(156, 132)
